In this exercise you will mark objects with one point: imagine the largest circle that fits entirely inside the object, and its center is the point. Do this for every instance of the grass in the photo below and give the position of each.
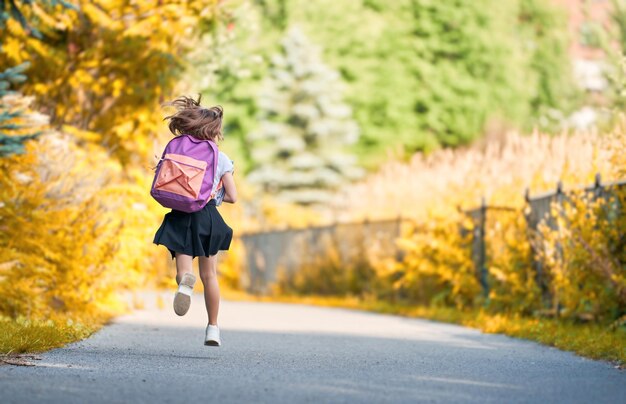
(27, 336)
(589, 340)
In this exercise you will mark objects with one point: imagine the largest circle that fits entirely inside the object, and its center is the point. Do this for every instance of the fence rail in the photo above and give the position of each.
(268, 253)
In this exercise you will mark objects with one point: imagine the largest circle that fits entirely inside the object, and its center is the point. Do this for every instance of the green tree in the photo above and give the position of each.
(229, 72)
(464, 71)
(612, 40)
(275, 11)
(299, 149)
(544, 37)
(421, 73)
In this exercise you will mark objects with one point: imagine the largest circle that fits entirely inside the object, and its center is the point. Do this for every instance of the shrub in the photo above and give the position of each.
(437, 266)
(584, 256)
(512, 276)
(72, 237)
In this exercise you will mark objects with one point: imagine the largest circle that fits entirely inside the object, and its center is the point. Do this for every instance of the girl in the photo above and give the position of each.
(199, 234)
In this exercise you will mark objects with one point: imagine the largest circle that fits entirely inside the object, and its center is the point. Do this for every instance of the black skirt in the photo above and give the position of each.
(199, 234)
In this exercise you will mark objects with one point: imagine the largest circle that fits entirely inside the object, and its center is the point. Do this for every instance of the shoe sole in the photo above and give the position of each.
(211, 343)
(181, 304)
(181, 300)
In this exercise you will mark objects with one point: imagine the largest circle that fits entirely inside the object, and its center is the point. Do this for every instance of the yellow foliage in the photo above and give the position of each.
(76, 218)
(512, 278)
(584, 256)
(437, 266)
(72, 236)
(108, 64)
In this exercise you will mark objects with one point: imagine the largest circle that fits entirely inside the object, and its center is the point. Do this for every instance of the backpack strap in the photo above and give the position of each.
(216, 153)
(162, 155)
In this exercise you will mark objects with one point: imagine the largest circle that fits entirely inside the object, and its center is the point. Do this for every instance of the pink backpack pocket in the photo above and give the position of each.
(181, 175)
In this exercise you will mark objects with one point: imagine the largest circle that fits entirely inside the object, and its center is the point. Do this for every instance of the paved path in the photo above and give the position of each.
(278, 353)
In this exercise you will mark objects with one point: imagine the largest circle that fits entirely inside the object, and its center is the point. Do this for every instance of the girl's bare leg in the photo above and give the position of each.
(183, 266)
(208, 274)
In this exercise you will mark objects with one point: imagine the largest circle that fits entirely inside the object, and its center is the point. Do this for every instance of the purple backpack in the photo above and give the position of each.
(184, 176)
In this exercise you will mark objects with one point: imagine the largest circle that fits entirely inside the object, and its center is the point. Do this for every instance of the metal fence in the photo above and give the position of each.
(269, 253)
(539, 209)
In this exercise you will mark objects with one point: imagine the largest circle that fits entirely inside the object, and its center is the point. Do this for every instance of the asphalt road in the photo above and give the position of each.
(277, 353)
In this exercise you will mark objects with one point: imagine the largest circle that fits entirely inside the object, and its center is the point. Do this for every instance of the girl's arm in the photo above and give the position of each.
(230, 191)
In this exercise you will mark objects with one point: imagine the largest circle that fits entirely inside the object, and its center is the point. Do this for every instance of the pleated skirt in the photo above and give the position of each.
(199, 234)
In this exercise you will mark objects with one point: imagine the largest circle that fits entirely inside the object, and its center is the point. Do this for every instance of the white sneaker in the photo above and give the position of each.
(212, 337)
(182, 298)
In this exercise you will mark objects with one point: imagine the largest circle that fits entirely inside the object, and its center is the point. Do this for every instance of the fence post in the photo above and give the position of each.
(597, 186)
(548, 296)
(532, 234)
(527, 194)
(399, 255)
(482, 265)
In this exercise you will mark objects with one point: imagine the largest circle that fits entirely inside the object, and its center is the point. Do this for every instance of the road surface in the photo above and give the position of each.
(278, 353)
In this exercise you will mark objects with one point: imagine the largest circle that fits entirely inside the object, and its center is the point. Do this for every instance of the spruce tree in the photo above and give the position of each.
(12, 9)
(298, 152)
(15, 120)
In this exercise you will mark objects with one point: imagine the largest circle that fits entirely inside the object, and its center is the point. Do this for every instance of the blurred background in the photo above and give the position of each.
(457, 154)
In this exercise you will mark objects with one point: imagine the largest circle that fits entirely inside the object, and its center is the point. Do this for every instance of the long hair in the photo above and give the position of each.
(193, 119)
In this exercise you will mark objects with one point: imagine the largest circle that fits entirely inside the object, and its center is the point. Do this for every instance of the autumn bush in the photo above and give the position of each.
(72, 237)
(583, 254)
(437, 266)
(512, 278)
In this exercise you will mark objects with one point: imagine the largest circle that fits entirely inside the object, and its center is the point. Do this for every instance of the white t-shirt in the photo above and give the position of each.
(224, 165)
